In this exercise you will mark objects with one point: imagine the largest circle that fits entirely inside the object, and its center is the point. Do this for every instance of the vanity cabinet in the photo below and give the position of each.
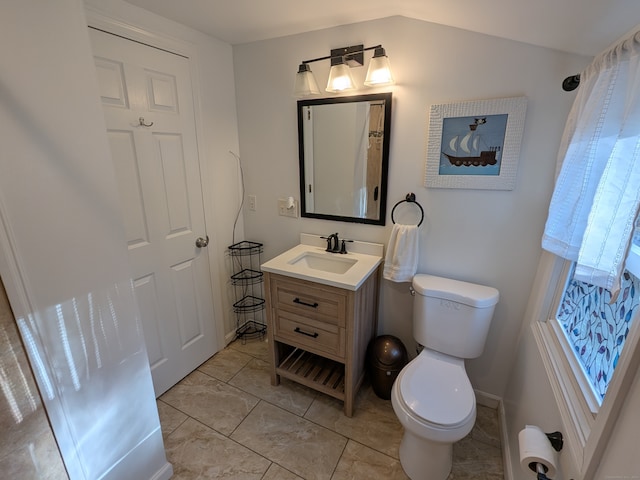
(318, 334)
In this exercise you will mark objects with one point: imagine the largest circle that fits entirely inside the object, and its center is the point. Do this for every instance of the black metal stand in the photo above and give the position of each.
(247, 281)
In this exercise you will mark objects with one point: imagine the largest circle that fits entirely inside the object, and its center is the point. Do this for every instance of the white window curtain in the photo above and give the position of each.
(595, 201)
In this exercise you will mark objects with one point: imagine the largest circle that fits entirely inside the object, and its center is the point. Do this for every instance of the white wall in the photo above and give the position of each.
(217, 136)
(63, 255)
(489, 237)
(621, 459)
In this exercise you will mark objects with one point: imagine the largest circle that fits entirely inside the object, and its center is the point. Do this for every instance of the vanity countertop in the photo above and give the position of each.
(347, 271)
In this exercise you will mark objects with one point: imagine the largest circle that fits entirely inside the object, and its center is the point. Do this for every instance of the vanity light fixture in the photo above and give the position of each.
(305, 82)
(379, 72)
(340, 79)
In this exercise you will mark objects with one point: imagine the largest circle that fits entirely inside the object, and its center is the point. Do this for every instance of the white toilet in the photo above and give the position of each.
(432, 395)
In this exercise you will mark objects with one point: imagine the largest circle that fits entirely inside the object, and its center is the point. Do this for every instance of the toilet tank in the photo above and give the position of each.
(452, 317)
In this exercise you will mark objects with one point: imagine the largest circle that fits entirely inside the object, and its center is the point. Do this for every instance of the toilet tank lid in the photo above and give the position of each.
(472, 294)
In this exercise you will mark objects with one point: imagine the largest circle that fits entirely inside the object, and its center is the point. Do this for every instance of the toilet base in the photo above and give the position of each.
(423, 459)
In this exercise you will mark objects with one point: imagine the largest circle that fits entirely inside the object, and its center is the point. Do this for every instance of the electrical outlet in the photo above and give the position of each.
(287, 212)
(252, 203)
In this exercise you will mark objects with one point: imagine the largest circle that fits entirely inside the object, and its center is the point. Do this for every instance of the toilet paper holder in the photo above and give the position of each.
(557, 442)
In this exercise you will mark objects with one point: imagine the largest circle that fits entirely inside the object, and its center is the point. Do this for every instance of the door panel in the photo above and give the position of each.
(184, 279)
(148, 107)
(111, 82)
(175, 193)
(163, 94)
(146, 294)
(128, 176)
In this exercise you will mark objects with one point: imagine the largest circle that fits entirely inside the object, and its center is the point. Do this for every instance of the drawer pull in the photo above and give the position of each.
(313, 335)
(300, 302)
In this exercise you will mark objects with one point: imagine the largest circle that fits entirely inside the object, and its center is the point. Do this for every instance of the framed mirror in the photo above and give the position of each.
(343, 145)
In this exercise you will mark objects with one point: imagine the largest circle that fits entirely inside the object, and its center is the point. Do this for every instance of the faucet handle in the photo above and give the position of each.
(343, 248)
(328, 239)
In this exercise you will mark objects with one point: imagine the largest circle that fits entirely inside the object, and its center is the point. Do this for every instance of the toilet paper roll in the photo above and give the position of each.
(535, 447)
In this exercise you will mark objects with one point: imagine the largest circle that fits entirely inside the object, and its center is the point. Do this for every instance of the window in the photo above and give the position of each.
(597, 326)
(590, 380)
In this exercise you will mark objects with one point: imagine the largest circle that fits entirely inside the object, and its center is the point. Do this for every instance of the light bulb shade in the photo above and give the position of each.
(340, 79)
(379, 72)
(305, 84)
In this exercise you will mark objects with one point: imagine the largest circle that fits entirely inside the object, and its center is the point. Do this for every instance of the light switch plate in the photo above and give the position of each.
(287, 212)
(252, 203)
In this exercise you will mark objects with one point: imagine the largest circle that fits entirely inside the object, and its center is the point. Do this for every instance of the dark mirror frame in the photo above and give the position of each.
(382, 194)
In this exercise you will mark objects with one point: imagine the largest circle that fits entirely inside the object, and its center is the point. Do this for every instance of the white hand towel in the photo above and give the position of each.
(401, 260)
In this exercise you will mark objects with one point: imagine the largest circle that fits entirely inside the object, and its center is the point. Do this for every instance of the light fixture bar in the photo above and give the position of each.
(304, 62)
(340, 79)
(352, 56)
(355, 53)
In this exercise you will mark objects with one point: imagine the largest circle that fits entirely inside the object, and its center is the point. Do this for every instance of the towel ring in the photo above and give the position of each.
(410, 198)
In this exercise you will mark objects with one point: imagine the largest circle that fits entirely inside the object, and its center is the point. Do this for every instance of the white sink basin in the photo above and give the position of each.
(325, 262)
(310, 261)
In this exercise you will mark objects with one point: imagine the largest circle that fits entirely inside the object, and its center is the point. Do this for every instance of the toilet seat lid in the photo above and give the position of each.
(436, 389)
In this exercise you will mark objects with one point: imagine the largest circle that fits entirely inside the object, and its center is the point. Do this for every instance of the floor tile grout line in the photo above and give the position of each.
(184, 413)
(227, 382)
(228, 437)
(247, 416)
(283, 468)
(272, 462)
(375, 450)
(303, 416)
(333, 472)
(173, 430)
(198, 421)
(317, 425)
(485, 440)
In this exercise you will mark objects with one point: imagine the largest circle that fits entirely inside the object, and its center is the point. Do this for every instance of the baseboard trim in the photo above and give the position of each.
(487, 399)
(506, 450)
(229, 337)
(496, 403)
(146, 460)
(165, 473)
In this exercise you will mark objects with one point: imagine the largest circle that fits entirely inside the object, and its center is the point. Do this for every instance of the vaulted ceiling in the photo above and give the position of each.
(577, 26)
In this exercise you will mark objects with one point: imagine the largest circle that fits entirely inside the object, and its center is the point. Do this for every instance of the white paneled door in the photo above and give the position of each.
(148, 106)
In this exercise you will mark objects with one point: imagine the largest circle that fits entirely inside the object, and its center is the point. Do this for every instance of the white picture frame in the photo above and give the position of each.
(475, 144)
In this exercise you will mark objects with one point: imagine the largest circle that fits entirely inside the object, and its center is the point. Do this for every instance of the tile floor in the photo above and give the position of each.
(225, 420)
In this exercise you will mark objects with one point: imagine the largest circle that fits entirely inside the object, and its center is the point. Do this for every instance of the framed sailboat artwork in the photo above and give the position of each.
(475, 144)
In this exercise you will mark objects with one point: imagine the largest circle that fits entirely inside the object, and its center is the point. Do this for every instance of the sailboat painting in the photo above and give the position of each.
(472, 145)
(475, 144)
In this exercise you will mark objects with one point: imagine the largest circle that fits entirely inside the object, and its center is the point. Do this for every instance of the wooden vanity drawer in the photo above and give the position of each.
(307, 299)
(314, 335)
